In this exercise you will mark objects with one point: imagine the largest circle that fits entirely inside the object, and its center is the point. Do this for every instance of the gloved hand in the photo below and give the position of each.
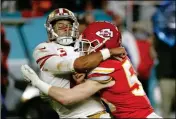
(29, 75)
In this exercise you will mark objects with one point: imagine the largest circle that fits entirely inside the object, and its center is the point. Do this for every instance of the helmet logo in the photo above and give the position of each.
(104, 33)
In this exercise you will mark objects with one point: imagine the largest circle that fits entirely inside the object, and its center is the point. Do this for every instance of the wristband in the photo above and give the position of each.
(105, 53)
(44, 87)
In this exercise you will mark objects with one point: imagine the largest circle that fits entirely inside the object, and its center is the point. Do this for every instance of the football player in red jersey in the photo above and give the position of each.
(125, 95)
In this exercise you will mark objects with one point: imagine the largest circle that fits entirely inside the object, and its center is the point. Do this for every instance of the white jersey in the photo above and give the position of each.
(47, 56)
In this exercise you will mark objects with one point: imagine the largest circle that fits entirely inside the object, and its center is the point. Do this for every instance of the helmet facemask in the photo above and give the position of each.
(87, 47)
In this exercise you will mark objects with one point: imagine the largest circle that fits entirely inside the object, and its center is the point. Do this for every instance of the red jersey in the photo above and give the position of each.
(126, 95)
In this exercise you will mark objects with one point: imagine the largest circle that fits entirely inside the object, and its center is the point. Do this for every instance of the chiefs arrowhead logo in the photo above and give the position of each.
(105, 33)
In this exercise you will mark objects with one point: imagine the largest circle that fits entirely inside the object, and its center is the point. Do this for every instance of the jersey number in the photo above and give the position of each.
(62, 52)
(132, 79)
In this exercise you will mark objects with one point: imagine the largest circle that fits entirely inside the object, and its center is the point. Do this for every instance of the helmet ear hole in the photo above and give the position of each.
(53, 23)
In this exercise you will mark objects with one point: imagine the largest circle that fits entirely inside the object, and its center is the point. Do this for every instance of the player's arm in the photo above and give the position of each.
(63, 95)
(78, 93)
(88, 62)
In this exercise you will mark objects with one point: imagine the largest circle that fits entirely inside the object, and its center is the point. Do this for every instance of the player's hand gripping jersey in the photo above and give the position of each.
(126, 98)
(54, 59)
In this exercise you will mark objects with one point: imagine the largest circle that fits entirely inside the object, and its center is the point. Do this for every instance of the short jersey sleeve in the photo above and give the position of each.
(43, 52)
(53, 59)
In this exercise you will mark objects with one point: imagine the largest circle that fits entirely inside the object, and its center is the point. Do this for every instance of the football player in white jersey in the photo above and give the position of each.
(58, 60)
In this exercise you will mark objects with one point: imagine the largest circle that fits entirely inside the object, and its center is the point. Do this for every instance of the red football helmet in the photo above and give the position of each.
(99, 35)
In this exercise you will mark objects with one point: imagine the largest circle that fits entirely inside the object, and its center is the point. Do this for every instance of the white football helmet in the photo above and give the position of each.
(62, 14)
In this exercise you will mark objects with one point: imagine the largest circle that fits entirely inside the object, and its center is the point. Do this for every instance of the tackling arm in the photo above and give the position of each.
(77, 93)
(63, 95)
(88, 62)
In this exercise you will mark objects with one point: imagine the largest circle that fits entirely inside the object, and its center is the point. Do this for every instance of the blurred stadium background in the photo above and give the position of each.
(148, 34)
